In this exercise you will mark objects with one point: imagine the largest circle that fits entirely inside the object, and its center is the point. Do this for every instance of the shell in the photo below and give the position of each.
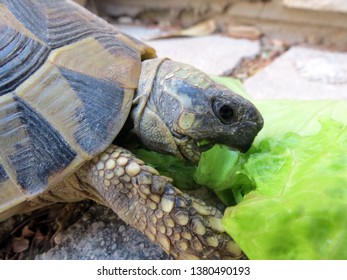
(67, 80)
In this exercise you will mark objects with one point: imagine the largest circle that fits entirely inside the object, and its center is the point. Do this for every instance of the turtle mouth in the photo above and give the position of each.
(187, 147)
(204, 145)
(190, 148)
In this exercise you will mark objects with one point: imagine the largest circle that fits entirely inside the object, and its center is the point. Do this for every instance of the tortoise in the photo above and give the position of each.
(69, 84)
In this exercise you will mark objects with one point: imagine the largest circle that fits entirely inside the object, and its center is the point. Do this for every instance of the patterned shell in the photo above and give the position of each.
(67, 80)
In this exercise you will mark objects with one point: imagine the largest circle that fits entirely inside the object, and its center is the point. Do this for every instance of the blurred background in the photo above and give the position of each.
(267, 44)
(322, 22)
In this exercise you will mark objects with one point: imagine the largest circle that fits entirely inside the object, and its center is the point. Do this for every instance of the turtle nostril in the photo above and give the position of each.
(254, 115)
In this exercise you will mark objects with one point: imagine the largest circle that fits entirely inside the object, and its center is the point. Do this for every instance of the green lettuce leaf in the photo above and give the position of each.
(299, 116)
(222, 169)
(298, 209)
(178, 169)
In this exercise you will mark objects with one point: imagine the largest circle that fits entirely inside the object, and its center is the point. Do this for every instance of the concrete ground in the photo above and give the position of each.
(299, 73)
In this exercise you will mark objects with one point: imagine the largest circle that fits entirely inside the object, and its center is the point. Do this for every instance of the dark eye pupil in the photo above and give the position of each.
(226, 112)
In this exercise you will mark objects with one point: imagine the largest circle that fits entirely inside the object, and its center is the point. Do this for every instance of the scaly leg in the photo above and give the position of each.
(182, 225)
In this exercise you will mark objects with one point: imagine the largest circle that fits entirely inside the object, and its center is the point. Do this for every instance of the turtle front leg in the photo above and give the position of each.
(182, 225)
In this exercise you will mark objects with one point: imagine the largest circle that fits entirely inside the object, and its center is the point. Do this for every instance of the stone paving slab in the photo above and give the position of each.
(139, 32)
(302, 73)
(339, 6)
(213, 54)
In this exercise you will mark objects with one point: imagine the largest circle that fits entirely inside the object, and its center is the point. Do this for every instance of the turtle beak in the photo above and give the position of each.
(241, 139)
(249, 133)
(250, 126)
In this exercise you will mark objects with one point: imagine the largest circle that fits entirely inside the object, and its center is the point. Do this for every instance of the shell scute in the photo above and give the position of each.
(101, 100)
(20, 56)
(67, 80)
(31, 148)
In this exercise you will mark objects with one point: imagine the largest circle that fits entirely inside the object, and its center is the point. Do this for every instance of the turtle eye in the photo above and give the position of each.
(223, 112)
(226, 113)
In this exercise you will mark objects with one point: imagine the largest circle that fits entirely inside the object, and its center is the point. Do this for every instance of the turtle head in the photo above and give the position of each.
(180, 110)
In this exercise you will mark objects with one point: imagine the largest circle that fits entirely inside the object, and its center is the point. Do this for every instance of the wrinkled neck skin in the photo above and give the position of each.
(151, 123)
